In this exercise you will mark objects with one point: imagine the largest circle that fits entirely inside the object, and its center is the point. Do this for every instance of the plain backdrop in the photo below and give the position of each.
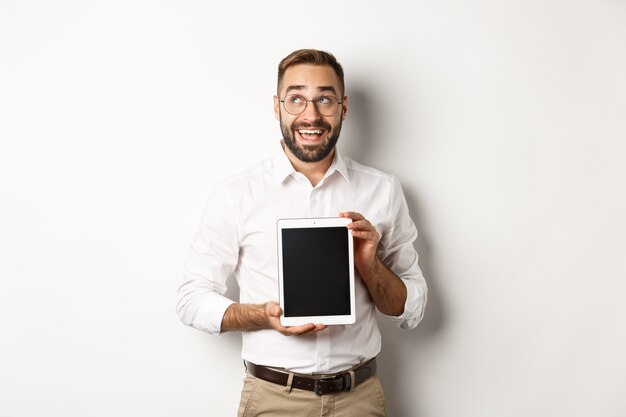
(503, 120)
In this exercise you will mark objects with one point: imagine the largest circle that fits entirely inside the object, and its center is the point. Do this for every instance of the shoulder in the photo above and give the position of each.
(370, 174)
(227, 194)
(247, 177)
(382, 186)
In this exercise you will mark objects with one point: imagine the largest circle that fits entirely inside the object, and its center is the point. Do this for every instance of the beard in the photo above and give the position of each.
(310, 153)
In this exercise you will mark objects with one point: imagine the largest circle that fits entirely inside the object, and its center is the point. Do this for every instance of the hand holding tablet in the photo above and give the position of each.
(274, 313)
(316, 271)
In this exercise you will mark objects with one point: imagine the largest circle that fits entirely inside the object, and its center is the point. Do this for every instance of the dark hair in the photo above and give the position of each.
(313, 57)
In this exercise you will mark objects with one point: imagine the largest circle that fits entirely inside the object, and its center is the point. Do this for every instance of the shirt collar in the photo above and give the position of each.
(283, 167)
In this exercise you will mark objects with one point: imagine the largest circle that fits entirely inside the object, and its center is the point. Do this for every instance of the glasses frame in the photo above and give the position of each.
(306, 104)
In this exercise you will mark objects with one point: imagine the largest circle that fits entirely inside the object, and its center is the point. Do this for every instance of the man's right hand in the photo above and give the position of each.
(248, 317)
(273, 311)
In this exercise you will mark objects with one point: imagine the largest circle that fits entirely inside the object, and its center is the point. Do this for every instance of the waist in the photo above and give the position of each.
(320, 384)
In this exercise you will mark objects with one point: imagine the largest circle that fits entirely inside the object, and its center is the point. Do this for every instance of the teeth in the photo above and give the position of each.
(310, 132)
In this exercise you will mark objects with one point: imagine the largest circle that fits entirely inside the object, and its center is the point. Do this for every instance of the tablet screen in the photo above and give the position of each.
(316, 271)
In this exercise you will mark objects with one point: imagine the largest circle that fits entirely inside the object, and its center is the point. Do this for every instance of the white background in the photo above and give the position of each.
(503, 120)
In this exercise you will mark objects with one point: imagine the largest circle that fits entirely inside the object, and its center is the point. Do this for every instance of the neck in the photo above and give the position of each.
(314, 171)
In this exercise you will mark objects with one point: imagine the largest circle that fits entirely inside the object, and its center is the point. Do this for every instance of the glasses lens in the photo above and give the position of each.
(294, 104)
(326, 105)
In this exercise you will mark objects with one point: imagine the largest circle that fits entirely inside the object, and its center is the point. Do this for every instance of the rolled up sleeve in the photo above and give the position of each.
(399, 254)
(212, 258)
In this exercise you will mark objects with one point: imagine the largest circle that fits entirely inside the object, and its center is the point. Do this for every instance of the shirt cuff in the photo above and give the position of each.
(208, 314)
(413, 306)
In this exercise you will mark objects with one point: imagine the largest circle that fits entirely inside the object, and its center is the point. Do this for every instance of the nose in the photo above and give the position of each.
(311, 112)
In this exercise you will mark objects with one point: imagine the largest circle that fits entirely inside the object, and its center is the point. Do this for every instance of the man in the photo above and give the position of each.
(310, 369)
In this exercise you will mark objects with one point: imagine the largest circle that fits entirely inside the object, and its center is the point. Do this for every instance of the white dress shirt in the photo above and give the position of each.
(237, 236)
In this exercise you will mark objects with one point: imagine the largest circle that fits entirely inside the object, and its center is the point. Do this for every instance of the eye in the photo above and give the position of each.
(324, 100)
(295, 99)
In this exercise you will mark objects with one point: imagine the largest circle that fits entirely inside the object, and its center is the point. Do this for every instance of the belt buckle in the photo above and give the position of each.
(327, 385)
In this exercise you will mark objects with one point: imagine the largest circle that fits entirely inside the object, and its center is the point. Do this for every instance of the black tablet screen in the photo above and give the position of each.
(316, 275)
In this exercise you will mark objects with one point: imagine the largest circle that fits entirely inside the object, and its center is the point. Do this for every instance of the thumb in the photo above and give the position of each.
(273, 309)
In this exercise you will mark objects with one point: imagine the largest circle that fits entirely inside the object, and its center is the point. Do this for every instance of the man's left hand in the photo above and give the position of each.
(365, 243)
(386, 288)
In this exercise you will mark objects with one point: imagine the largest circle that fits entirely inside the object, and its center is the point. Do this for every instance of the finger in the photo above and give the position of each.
(298, 330)
(361, 224)
(352, 215)
(364, 230)
(303, 330)
(364, 234)
(309, 333)
(318, 328)
(273, 309)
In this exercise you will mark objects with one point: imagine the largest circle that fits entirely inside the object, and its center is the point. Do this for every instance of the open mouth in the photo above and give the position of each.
(311, 135)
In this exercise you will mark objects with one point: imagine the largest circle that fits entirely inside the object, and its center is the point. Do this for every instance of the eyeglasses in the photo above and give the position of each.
(326, 105)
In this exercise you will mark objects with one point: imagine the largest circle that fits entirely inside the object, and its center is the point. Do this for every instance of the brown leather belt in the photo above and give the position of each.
(321, 385)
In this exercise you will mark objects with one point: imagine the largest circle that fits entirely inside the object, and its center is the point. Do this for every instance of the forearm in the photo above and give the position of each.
(386, 288)
(245, 317)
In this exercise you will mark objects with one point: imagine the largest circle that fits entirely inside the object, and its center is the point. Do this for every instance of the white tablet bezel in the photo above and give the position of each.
(314, 223)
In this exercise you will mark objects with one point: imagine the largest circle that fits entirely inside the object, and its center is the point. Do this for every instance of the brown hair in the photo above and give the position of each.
(313, 57)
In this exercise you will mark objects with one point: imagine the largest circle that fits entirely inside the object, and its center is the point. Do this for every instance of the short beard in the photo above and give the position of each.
(308, 153)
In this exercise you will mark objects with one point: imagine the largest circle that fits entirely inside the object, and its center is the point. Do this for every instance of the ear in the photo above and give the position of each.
(344, 108)
(276, 108)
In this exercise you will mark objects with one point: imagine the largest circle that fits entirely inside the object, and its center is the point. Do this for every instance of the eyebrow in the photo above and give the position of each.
(302, 87)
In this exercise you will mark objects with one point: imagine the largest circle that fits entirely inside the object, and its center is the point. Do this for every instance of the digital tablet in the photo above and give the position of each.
(316, 271)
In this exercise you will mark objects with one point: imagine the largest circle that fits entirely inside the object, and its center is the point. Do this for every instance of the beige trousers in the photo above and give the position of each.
(262, 398)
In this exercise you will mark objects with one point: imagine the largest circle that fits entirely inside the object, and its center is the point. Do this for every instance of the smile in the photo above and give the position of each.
(311, 135)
